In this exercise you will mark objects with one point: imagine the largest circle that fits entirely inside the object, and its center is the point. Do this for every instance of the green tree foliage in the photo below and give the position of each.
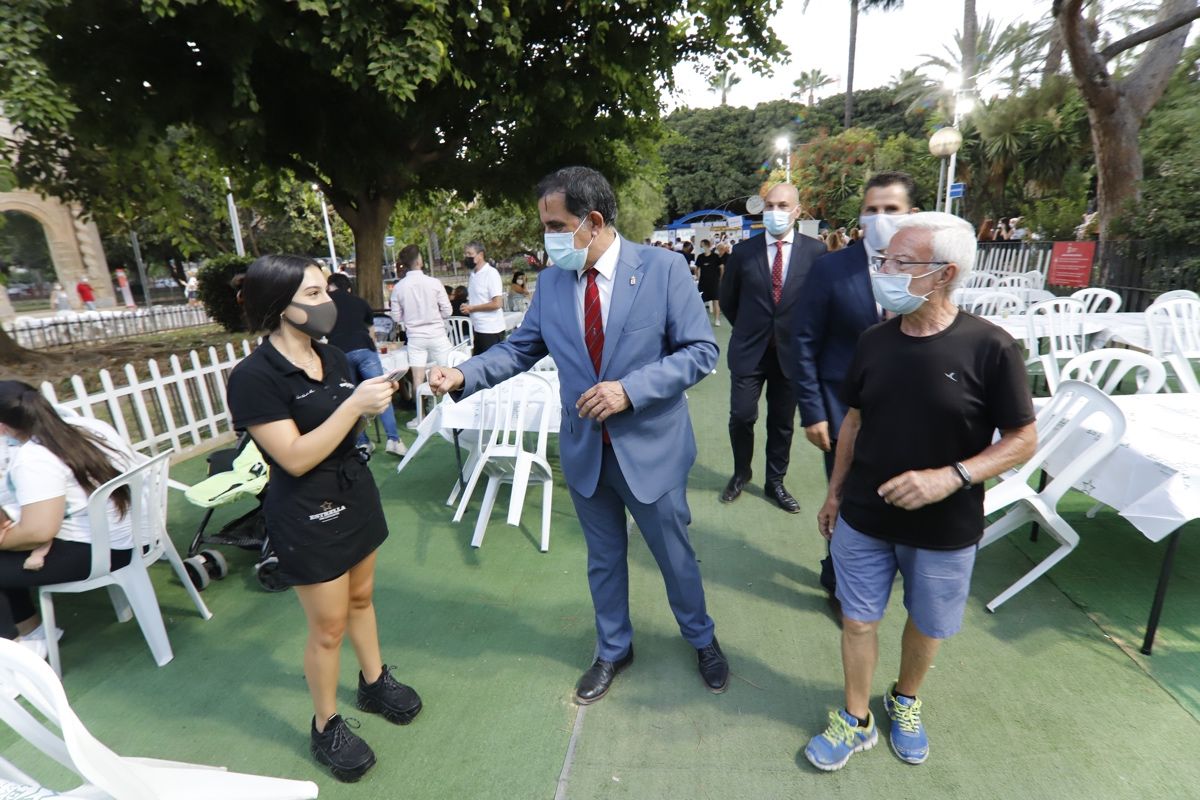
(1168, 209)
(370, 100)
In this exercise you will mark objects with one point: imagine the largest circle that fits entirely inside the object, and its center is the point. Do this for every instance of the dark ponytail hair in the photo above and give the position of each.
(270, 284)
(23, 409)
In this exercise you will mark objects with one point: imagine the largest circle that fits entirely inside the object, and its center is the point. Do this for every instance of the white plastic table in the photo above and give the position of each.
(1127, 327)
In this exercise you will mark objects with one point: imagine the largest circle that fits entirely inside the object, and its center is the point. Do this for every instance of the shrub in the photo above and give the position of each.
(219, 281)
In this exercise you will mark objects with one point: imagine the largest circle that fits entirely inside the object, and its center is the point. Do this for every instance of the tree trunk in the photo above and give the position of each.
(368, 219)
(849, 115)
(12, 354)
(970, 41)
(1118, 163)
(1054, 54)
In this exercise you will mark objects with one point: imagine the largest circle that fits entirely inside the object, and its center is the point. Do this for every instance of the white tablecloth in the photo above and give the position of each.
(1125, 327)
(449, 416)
(395, 358)
(1152, 478)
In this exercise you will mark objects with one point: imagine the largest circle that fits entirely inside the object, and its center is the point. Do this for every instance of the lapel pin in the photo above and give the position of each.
(633, 281)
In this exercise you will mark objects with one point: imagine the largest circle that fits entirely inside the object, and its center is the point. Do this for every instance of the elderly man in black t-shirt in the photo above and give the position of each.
(926, 392)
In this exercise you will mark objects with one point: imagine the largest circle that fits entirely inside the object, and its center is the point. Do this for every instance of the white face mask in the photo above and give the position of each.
(777, 223)
(879, 228)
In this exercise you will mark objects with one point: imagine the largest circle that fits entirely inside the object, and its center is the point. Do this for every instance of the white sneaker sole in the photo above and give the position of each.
(861, 748)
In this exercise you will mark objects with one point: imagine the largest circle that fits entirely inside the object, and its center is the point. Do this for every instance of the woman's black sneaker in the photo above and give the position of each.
(389, 697)
(341, 749)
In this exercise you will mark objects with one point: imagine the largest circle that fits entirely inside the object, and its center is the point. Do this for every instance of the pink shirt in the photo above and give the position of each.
(419, 303)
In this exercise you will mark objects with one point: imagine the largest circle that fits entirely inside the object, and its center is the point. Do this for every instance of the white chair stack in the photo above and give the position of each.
(1055, 334)
(979, 280)
(1074, 405)
(455, 357)
(1106, 369)
(109, 776)
(129, 587)
(506, 411)
(460, 331)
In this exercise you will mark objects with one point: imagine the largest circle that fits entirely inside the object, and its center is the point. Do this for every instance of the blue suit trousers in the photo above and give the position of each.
(664, 525)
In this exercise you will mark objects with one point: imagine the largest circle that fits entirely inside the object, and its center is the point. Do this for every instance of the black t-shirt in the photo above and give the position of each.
(353, 319)
(707, 262)
(927, 402)
(266, 387)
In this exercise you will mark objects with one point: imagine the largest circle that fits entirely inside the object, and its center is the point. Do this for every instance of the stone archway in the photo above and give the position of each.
(74, 244)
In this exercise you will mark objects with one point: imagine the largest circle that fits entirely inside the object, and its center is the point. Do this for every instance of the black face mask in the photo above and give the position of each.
(468, 263)
(320, 319)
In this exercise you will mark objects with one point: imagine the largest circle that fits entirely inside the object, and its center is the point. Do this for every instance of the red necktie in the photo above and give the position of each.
(777, 273)
(593, 328)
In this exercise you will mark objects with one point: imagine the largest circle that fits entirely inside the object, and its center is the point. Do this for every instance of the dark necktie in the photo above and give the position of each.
(777, 273)
(593, 327)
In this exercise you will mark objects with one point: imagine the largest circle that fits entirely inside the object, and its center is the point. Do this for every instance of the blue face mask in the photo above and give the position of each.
(777, 223)
(560, 247)
(891, 291)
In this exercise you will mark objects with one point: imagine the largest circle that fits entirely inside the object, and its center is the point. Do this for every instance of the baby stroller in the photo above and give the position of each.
(233, 474)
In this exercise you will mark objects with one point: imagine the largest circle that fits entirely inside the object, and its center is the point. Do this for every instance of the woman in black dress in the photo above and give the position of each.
(297, 398)
(709, 266)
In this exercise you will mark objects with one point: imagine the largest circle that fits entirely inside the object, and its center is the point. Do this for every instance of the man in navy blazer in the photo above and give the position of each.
(759, 294)
(629, 334)
(836, 305)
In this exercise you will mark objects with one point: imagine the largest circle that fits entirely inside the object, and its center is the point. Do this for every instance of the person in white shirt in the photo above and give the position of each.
(54, 466)
(485, 299)
(420, 304)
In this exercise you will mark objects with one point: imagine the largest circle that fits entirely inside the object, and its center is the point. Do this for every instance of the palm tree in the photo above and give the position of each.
(809, 82)
(855, 6)
(722, 81)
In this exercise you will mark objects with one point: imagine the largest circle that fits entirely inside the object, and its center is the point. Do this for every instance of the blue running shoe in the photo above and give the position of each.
(908, 738)
(843, 738)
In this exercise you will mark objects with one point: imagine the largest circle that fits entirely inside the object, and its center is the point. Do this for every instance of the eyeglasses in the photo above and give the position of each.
(879, 262)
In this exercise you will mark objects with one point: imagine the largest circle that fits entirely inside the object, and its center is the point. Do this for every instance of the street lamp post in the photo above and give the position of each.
(964, 103)
(784, 145)
(233, 218)
(944, 143)
(333, 262)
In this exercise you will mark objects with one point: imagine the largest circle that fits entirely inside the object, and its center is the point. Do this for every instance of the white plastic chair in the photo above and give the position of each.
(1105, 369)
(1099, 301)
(979, 280)
(1059, 324)
(505, 412)
(453, 358)
(129, 587)
(1024, 280)
(995, 304)
(1073, 406)
(108, 775)
(1174, 327)
(1176, 294)
(459, 330)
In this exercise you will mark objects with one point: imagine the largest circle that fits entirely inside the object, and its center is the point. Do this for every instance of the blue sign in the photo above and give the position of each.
(390, 241)
(958, 190)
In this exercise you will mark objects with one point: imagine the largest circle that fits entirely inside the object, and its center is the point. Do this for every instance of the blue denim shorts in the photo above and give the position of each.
(936, 582)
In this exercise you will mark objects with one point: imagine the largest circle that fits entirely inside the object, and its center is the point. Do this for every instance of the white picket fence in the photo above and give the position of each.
(1005, 260)
(179, 408)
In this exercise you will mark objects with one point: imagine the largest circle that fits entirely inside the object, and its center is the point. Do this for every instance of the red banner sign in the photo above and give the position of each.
(1071, 264)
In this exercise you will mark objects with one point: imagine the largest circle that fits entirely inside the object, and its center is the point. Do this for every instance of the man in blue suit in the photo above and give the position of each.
(629, 334)
(835, 306)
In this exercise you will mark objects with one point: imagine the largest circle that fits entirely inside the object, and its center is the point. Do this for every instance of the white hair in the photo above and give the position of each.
(952, 238)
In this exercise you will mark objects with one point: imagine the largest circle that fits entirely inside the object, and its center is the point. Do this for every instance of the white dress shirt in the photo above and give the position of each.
(420, 304)
(787, 251)
(606, 266)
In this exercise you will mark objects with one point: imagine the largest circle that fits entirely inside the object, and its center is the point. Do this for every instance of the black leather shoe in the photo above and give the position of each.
(733, 489)
(714, 668)
(595, 682)
(780, 497)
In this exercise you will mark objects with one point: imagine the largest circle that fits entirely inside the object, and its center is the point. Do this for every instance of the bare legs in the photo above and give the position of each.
(860, 652)
(332, 608)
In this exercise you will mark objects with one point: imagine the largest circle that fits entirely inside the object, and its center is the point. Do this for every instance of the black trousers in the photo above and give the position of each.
(485, 340)
(828, 578)
(66, 561)
(744, 393)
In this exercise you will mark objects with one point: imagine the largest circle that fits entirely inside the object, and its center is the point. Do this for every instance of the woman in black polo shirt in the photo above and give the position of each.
(297, 399)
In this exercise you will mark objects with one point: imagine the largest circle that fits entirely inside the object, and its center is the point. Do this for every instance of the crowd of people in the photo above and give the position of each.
(900, 391)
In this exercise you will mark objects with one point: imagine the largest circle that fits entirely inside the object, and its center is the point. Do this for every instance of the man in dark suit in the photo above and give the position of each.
(836, 304)
(759, 293)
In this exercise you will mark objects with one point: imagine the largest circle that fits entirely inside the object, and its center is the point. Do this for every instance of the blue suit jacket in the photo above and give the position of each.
(835, 306)
(657, 343)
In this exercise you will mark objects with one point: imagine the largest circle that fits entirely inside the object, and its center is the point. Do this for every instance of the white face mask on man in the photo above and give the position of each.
(879, 229)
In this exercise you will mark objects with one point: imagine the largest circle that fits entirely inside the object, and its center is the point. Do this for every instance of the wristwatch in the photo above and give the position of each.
(963, 474)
